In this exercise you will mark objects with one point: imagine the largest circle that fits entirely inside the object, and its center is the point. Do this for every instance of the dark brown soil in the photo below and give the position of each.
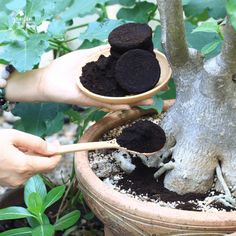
(141, 182)
(137, 71)
(131, 36)
(99, 77)
(143, 136)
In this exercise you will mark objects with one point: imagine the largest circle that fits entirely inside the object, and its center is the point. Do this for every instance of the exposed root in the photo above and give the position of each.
(226, 199)
(167, 154)
(222, 181)
(164, 167)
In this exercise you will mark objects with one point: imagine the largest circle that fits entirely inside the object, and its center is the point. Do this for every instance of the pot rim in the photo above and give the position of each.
(99, 191)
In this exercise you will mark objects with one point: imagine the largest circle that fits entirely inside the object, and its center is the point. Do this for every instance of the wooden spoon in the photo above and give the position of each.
(94, 146)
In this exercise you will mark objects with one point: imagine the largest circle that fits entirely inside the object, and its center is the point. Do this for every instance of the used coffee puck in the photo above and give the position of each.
(131, 36)
(137, 71)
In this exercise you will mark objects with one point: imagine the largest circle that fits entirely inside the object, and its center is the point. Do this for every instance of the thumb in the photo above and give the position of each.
(33, 143)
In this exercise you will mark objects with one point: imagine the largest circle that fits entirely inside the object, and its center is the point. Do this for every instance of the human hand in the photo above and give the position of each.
(23, 155)
(58, 83)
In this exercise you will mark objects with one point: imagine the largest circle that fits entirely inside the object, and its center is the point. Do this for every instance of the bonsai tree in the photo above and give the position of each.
(201, 125)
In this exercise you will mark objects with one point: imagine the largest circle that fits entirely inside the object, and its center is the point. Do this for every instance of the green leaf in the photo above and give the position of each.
(100, 30)
(56, 28)
(171, 92)
(11, 35)
(11, 213)
(210, 26)
(3, 4)
(34, 185)
(233, 21)
(89, 216)
(36, 118)
(158, 104)
(25, 231)
(43, 230)
(67, 221)
(7, 21)
(157, 38)
(38, 10)
(35, 203)
(53, 196)
(35, 223)
(199, 39)
(213, 8)
(231, 10)
(55, 125)
(231, 7)
(127, 3)
(29, 52)
(16, 5)
(80, 8)
(142, 12)
(87, 44)
(210, 47)
(185, 2)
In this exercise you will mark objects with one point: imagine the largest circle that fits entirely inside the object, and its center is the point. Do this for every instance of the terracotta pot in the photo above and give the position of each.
(125, 216)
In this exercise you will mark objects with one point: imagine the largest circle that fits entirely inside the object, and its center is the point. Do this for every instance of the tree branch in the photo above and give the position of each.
(173, 33)
(228, 52)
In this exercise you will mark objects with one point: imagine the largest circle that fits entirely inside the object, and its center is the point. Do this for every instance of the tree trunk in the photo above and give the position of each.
(201, 125)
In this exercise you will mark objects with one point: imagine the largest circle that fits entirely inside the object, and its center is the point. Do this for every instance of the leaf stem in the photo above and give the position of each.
(156, 20)
(64, 199)
(77, 27)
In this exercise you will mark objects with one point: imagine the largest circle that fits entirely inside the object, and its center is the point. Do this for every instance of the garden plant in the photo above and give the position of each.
(199, 40)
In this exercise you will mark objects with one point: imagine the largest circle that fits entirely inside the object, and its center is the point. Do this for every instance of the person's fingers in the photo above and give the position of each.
(33, 143)
(39, 164)
(147, 102)
(165, 87)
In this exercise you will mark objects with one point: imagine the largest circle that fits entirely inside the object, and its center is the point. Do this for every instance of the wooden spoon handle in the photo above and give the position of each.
(87, 146)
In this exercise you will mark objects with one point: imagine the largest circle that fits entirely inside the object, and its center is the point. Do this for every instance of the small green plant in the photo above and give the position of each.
(37, 200)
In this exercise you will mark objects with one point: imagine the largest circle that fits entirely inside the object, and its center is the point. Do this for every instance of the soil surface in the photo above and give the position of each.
(141, 181)
(143, 136)
(137, 71)
(113, 167)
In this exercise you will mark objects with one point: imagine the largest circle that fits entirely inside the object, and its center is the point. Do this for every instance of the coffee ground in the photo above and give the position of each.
(131, 36)
(143, 136)
(99, 77)
(137, 71)
(141, 182)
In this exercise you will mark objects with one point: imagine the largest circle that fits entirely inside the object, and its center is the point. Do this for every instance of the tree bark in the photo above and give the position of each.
(173, 33)
(228, 54)
(201, 125)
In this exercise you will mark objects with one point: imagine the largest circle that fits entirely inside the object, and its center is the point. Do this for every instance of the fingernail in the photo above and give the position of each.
(52, 147)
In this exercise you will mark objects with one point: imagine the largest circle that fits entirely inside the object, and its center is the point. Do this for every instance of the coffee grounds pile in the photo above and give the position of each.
(100, 77)
(141, 182)
(143, 136)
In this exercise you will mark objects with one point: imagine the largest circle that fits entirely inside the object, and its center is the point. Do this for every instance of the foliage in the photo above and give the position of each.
(20, 35)
(22, 43)
(37, 201)
(231, 10)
